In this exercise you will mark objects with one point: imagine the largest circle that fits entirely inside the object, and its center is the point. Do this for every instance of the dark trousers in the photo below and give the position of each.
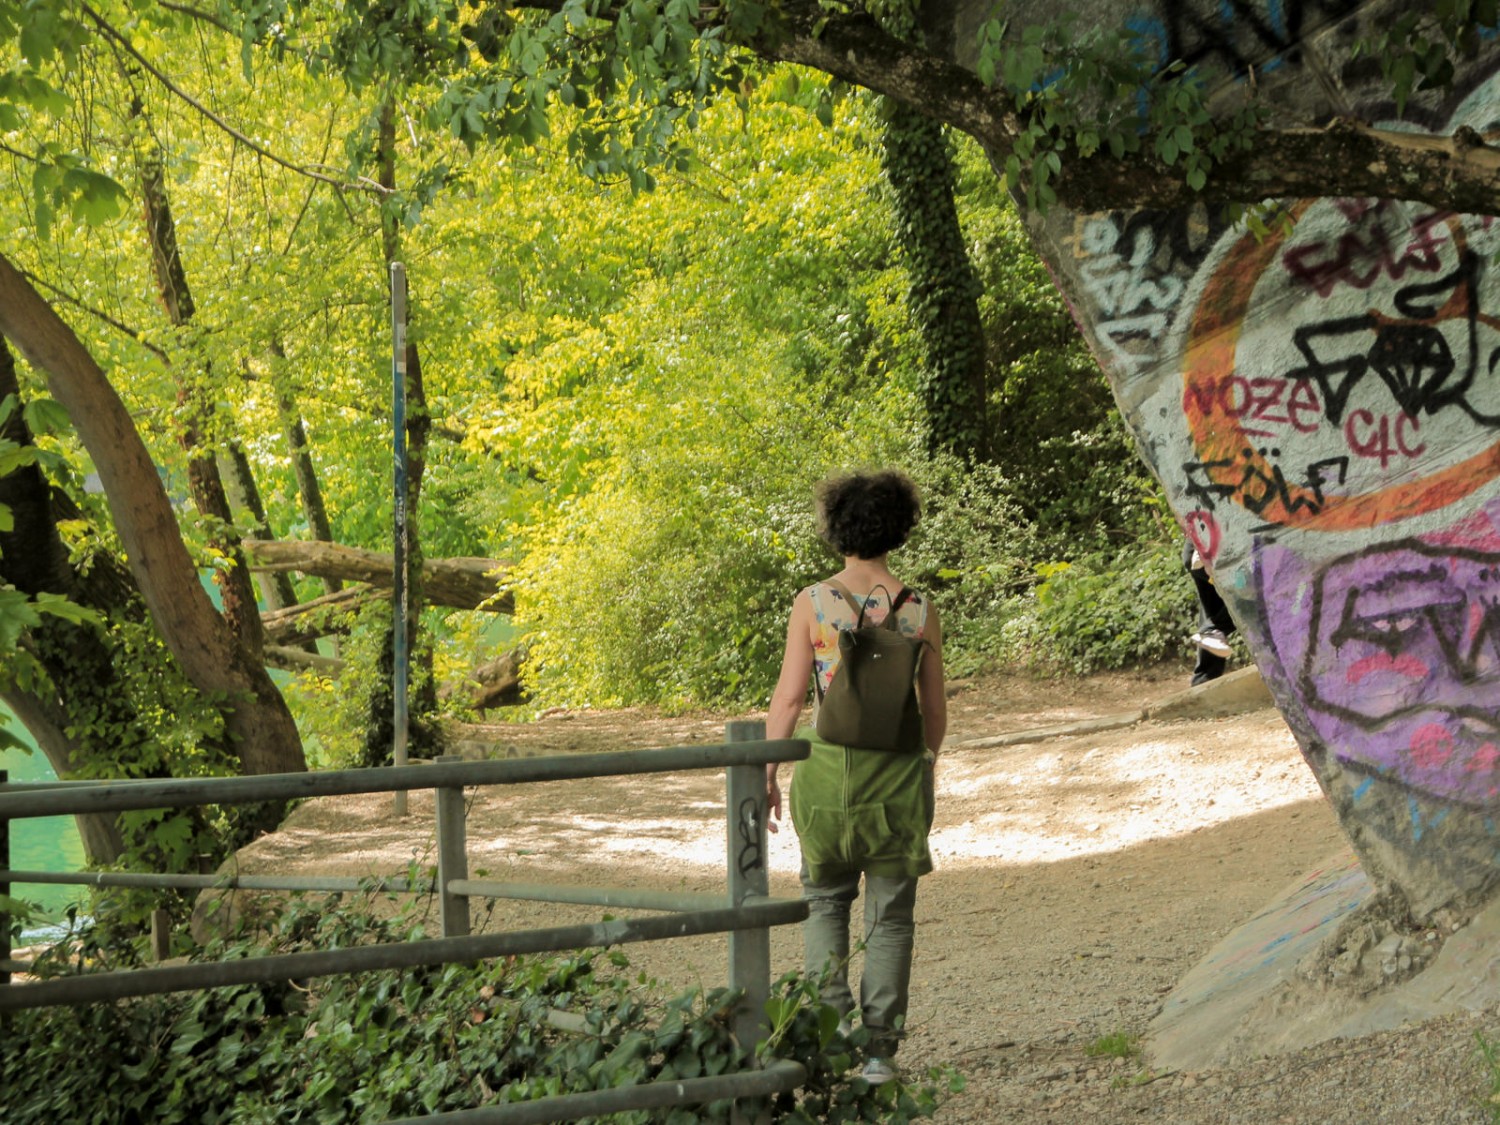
(1212, 614)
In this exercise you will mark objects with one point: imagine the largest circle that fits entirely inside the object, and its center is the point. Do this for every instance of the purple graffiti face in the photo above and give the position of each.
(1402, 669)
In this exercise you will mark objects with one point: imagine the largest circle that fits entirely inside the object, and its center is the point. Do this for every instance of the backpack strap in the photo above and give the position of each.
(864, 603)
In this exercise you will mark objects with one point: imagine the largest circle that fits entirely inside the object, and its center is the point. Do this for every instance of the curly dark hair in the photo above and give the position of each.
(867, 514)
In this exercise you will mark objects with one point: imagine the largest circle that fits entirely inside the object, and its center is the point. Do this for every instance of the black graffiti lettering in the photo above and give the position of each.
(1414, 361)
(1336, 377)
(1180, 238)
(1201, 485)
(1259, 489)
(1413, 357)
(1331, 470)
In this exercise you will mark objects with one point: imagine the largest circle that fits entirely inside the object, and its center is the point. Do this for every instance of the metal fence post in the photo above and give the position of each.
(4, 890)
(749, 950)
(453, 855)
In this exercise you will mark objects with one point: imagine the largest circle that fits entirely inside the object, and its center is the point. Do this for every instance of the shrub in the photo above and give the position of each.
(1106, 611)
(380, 1045)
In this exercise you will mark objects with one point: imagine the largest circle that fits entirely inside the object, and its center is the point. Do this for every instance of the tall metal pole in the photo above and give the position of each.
(398, 588)
(4, 889)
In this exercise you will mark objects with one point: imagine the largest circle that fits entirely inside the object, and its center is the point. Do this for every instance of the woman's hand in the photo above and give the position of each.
(773, 799)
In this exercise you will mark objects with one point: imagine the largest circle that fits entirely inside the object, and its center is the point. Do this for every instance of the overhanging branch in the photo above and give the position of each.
(1455, 173)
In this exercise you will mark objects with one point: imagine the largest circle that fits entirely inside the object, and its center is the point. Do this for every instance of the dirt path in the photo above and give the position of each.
(1078, 877)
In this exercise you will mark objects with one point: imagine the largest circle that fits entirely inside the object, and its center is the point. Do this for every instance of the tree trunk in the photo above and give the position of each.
(240, 610)
(256, 716)
(380, 730)
(34, 559)
(314, 510)
(102, 842)
(944, 292)
(239, 481)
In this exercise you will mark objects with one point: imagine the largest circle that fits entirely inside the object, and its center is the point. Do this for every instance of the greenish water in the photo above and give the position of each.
(45, 843)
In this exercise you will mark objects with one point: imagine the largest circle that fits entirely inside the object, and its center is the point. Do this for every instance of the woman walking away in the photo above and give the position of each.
(862, 812)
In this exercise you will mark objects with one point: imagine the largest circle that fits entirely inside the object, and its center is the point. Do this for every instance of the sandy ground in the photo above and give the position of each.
(1078, 877)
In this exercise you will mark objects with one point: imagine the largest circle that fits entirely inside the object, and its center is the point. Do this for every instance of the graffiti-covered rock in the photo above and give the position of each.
(1322, 405)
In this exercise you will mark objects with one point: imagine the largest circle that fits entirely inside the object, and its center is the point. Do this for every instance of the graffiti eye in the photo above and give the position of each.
(1389, 631)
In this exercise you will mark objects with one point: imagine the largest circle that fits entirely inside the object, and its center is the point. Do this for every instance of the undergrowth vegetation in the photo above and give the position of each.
(382, 1045)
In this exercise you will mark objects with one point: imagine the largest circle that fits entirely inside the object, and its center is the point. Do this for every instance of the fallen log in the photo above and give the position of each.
(308, 621)
(458, 583)
(287, 659)
(492, 684)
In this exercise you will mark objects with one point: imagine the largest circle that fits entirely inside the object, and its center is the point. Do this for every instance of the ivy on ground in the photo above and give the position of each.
(375, 1046)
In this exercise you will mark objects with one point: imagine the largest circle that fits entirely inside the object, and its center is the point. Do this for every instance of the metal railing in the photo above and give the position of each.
(745, 914)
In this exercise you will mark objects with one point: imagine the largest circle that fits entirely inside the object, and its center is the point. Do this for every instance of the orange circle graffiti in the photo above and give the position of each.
(1218, 435)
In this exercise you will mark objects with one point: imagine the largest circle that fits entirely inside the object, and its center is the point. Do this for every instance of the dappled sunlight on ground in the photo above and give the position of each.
(1100, 793)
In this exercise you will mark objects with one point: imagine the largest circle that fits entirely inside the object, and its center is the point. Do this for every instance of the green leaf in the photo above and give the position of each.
(16, 615)
(46, 416)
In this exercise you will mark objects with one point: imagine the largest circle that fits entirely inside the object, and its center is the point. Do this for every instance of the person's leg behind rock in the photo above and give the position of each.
(885, 982)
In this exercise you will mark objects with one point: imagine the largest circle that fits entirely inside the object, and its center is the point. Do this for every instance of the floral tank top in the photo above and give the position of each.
(831, 613)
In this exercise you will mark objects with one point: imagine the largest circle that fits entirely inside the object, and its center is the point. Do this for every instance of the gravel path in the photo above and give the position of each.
(1078, 878)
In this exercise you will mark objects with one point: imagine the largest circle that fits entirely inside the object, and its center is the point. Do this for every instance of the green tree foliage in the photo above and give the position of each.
(630, 393)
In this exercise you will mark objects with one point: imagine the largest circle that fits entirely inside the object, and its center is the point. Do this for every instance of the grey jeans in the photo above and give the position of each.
(885, 981)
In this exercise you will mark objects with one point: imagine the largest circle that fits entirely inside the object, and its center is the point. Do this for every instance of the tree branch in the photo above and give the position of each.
(109, 31)
(1457, 173)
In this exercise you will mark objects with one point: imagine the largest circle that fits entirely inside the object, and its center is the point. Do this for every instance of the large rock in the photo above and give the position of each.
(1322, 407)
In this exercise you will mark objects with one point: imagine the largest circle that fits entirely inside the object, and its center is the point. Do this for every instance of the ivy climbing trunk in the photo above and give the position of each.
(943, 295)
(380, 731)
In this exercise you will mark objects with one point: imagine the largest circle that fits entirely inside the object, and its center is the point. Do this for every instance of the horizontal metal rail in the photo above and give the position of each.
(325, 884)
(781, 1075)
(626, 898)
(20, 799)
(94, 987)
(623, 897)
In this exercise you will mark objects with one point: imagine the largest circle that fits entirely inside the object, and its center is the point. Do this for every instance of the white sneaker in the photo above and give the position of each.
(1212, 640)
(877, 1072)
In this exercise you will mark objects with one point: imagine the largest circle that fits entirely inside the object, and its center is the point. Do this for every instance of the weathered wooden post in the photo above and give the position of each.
(453, 855)
(749, 950)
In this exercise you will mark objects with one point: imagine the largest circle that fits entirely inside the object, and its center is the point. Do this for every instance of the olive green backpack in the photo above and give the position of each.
(871, 702)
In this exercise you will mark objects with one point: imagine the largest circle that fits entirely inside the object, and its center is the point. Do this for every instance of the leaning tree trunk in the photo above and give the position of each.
(256, 716)
(83, 714)
(34, 559)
